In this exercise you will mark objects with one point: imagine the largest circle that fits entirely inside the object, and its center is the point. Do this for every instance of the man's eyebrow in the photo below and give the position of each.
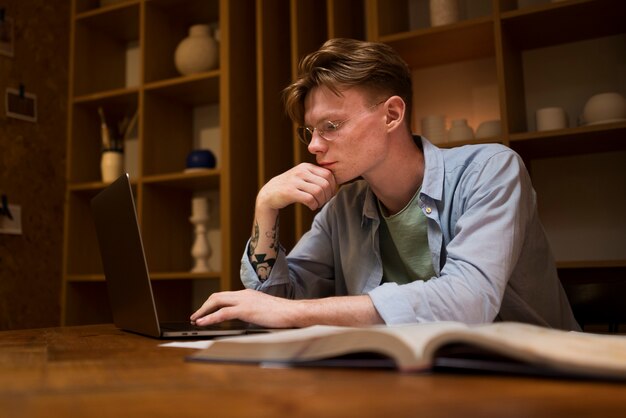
(328, 117)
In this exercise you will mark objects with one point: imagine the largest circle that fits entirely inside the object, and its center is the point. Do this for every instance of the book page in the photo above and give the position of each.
(566, 350)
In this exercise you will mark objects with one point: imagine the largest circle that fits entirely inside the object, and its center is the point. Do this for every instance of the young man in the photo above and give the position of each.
(425, 234)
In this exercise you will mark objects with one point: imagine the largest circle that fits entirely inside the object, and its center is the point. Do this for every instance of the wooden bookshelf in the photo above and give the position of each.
(164, 101)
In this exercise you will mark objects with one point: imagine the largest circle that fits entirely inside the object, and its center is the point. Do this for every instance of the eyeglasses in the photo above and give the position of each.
(329, 130)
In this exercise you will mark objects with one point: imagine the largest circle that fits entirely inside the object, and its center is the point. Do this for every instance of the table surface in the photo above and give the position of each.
(100, 371)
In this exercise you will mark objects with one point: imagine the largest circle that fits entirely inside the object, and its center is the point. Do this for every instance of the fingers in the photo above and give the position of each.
(320, 184)
(221, 306)
(210, 305)
(247, 305)
(306, 183)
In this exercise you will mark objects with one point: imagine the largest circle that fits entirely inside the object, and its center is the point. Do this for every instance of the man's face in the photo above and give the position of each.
(359, 144)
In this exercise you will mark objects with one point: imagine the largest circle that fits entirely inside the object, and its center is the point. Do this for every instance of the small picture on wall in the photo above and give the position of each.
(21, 105)
(6, 36)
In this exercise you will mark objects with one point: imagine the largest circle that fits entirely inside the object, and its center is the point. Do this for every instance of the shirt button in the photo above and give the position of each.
(428, 210)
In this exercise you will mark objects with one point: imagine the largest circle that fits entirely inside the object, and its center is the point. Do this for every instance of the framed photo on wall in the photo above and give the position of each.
(21, 105)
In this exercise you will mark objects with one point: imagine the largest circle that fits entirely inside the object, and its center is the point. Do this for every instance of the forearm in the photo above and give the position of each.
(264, 242)
(338, 310)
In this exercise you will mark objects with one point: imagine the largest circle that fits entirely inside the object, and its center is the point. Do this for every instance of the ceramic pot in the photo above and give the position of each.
(443, 12)
(201, 159)
(198, 52)
(604, 107)
(460, 131)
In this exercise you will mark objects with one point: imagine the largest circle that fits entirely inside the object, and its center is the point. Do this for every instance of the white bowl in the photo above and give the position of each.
(604, 107)
(489, 129)
(460, 131)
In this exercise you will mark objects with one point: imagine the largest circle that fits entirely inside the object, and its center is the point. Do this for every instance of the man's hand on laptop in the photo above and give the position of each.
(247, 305)
(274, 312)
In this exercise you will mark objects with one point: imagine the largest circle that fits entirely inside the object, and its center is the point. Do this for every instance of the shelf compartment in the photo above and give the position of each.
(84, 155)
(595, 291)
(464, 90)
(462, 41)
(81, 236)
(86, 302)
(411, 15)
(167, 24)
(564, 75)
(558, 23)
(102, 41)
(167, 232)
(82, 241)
(169, 106)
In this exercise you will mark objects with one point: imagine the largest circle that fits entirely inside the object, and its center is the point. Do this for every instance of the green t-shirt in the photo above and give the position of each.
(404, 244)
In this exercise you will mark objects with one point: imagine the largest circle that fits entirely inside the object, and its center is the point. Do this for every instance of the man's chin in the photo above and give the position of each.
(345, 180)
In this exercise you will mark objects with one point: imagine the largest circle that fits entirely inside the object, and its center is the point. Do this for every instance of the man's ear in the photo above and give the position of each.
(395, 112)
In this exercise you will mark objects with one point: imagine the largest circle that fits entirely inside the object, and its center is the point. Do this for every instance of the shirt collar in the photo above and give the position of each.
(432, 184)
(434, 170)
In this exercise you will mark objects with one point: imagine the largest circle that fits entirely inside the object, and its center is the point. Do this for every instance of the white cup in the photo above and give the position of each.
(549, 118)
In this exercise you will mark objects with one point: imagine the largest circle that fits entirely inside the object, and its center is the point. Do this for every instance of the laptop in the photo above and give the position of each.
(126, 271)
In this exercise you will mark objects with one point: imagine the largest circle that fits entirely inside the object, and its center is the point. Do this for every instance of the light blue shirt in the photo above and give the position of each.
(489, 251)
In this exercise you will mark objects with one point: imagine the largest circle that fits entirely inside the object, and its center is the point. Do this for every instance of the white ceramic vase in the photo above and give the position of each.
(198, 52)
(201, 249)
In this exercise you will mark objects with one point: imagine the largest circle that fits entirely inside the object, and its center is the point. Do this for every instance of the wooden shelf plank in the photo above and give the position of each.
(465, 40)
(577, 264)
(194, 180)
(125, 94)
(194, 89)
(571, 141)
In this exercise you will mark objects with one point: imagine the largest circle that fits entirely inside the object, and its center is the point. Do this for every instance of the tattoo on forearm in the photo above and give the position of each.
(273, 235)
(261, 263)
(254, 240)
(262, 266)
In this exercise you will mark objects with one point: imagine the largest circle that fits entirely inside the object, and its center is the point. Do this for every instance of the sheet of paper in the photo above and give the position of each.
(196, 345)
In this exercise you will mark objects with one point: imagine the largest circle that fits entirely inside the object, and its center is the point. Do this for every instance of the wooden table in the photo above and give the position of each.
(99, 371)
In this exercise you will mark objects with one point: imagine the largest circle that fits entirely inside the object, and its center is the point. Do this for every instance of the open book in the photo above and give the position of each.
(501, 347)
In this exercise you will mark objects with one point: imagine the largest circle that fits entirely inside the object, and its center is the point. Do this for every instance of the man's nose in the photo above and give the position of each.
(317, 144)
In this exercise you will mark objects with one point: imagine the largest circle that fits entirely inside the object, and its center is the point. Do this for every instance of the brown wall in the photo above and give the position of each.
(32, 164)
